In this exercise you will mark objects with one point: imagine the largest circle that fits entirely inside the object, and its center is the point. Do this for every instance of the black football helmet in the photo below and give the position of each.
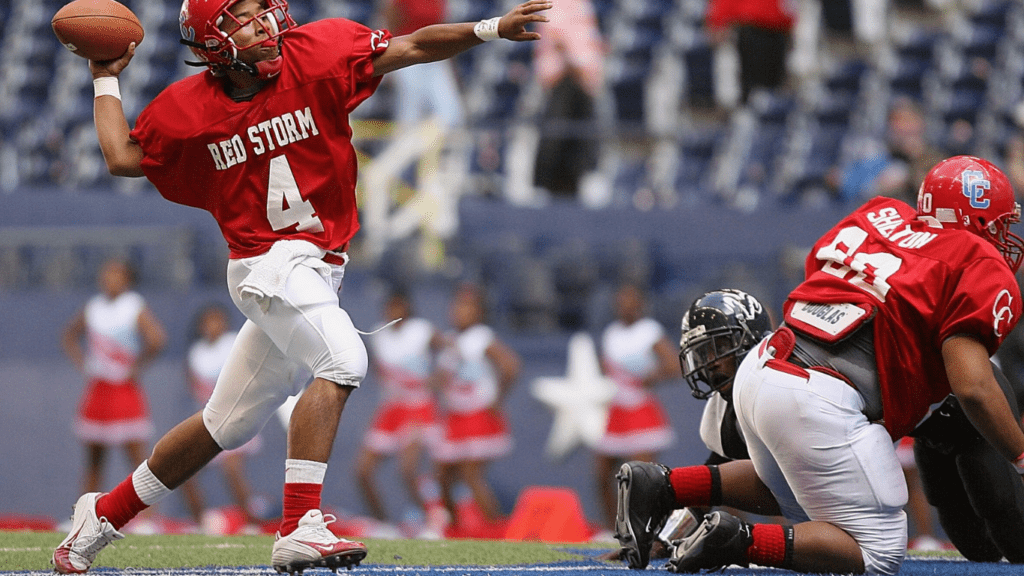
(719, 325)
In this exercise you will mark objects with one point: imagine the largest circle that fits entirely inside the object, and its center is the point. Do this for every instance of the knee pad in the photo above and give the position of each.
(227, 434)
(232, 428)
(883, 562)
(333, 350)
(884, 550)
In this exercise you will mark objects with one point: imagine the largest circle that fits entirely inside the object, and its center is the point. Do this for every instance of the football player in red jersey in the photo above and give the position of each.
(899, 308)
(262, 141)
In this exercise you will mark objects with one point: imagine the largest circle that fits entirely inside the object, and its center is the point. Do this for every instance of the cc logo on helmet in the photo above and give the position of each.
(1001, 311)
(187, 32)
(975, 185)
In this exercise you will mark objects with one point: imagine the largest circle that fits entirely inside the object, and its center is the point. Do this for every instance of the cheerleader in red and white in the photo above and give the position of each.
(406, 421)
(636, 355)
(476, 371)
(121, 337)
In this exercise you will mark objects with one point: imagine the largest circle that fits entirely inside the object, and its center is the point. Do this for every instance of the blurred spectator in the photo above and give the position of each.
(427, 90)
(122, 336)
(761, 31)
(1014, 163)
(895, 167)
(475, 373)
(1014, 155)
(568, 60)
(206, 356)
(405, 421)
(636, 355)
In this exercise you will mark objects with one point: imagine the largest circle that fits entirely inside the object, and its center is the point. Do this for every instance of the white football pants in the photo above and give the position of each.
(822, 459)
(303, 327)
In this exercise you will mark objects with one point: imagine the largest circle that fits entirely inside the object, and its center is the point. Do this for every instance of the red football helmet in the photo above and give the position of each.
(969, 193)
(200, 22)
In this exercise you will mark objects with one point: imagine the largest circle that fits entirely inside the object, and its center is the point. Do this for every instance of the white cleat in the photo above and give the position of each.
(87, 537)
(313, 545)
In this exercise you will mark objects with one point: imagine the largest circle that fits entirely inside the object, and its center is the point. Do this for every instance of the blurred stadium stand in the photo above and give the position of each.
(692, 199)
(669, 156)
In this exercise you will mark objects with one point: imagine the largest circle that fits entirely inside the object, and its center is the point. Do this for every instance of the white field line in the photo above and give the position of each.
(368, 568)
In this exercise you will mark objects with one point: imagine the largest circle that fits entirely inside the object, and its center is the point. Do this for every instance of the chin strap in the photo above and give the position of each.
(264, 70)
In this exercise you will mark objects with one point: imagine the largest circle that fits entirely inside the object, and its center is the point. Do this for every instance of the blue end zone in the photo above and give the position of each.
(912, 567)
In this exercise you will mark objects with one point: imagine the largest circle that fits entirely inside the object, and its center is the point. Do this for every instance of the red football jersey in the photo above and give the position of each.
(924, 285)
(281, 165)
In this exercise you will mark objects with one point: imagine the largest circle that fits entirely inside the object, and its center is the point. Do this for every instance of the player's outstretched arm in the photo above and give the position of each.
(442, 41)
(974, 384)
(122, 154)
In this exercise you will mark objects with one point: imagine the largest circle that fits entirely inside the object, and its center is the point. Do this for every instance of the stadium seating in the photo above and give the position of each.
(968, 75)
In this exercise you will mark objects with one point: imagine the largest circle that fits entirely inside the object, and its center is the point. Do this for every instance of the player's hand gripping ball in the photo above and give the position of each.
(97, 29)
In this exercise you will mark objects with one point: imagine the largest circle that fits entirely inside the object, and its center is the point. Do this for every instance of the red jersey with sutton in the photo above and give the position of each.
(925, 284)
(280, 166)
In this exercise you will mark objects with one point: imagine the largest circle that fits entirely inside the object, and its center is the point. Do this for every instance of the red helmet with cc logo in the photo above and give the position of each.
(970, 193)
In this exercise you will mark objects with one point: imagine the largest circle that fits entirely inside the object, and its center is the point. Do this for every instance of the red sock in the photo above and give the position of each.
(773, 545)
(299, 498)
(692, 485)
(120, 505)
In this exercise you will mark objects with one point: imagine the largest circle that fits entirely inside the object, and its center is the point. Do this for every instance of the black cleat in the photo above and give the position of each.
(646, 499)
(722, 540)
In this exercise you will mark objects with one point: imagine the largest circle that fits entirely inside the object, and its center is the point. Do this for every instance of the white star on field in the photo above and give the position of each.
(579, 399)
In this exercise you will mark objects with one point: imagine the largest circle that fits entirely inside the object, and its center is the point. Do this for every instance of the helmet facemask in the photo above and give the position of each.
(708, 358)
(218, 50)
(1009, 244)
(718, 330)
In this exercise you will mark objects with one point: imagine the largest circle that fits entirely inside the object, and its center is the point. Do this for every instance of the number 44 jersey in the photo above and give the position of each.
(280, 165)
(919, 284)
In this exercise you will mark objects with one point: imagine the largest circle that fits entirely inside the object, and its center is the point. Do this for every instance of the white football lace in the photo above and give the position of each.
(371, 334)
(321, 530)
(90, 550)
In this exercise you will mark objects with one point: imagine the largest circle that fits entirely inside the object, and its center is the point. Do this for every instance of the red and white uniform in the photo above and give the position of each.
(403, 360)
(205, 361)
(278, 173)
(473, 427)
(806, 431)
(280, 166)
(926, 284)
(113, 410)
(636, 421)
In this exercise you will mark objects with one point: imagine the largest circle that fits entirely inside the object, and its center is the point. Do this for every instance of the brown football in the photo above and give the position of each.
(97, 29)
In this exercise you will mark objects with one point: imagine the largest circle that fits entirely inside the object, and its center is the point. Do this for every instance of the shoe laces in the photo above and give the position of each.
(106, 535)
(320, 530)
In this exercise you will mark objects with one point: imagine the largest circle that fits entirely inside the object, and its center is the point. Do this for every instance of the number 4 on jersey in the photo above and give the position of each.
(285, 206)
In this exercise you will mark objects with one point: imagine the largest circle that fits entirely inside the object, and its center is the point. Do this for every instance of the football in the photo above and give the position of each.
(97, 29)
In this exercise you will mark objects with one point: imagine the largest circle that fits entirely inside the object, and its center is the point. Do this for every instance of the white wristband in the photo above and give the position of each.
(106, 86)
(1019, 464)
(487, 30)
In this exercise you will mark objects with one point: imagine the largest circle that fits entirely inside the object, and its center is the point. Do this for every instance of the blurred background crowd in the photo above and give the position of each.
(673, 145)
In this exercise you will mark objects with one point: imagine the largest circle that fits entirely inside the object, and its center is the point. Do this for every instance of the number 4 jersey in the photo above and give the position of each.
(919, 284)
(280, 165)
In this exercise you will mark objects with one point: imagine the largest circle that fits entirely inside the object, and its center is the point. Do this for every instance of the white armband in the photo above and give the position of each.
(106, 86)
(487, 30)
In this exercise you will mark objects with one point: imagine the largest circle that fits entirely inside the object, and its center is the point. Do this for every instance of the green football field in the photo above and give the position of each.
(28, 554)
(30, 551)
